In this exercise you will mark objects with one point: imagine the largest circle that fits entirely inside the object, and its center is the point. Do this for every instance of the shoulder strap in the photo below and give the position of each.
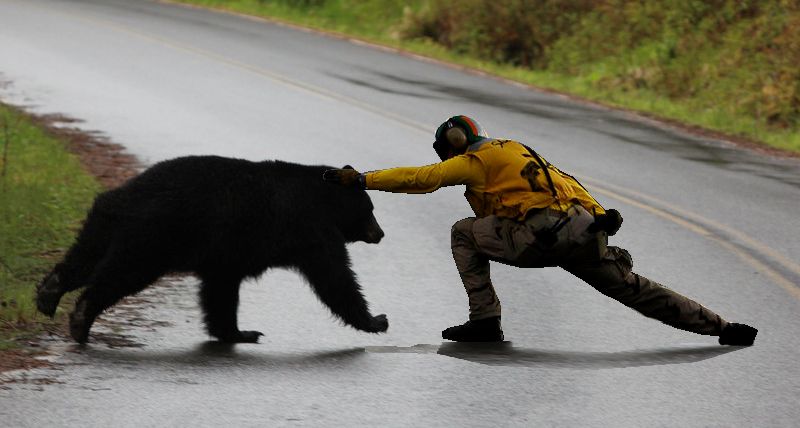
(544, 167)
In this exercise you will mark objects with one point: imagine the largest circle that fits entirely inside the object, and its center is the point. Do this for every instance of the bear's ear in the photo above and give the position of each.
(347, 167)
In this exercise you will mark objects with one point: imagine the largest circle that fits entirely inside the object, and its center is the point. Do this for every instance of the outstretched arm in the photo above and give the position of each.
(463, 169)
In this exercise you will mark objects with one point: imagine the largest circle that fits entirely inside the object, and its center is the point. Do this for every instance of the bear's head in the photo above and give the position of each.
(352, 213)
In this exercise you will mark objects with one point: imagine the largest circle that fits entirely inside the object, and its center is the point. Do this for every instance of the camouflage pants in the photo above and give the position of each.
(475, 242)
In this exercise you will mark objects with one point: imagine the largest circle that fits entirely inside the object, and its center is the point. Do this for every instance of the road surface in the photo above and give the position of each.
(704, 217)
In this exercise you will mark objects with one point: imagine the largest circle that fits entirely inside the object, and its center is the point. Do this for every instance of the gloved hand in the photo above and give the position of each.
(346, 176)
(610, 222)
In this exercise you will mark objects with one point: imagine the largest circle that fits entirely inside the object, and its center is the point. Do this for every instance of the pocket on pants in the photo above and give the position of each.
(520, 243)
(621, 258)
(489, 236)
(508, 241)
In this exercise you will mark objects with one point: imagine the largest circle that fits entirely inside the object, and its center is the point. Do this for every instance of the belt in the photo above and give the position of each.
(552, 212)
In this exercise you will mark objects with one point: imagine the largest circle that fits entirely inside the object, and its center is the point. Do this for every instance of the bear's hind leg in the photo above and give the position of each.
(73, 272)
(49, 293)
(108, 285)
(220, 301)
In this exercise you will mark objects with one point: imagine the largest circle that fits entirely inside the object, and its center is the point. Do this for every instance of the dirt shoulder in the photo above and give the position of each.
(112, 166)
(107, 161)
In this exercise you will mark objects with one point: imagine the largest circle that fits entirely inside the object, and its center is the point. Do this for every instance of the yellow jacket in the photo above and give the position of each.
(502, 177)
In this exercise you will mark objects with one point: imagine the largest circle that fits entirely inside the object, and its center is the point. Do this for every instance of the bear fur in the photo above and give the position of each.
(223, 220)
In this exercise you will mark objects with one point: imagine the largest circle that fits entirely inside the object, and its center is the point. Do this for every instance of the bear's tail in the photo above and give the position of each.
(78, 264)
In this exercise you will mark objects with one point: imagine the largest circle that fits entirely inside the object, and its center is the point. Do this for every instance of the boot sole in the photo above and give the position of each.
(499, 338)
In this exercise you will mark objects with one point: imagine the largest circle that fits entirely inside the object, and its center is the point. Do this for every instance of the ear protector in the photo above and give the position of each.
(456, 134)
(456, 137)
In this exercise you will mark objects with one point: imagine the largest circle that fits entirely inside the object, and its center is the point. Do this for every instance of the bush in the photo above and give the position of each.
(740, 57)
(508, 31)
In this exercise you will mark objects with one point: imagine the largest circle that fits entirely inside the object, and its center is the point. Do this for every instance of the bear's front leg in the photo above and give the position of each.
(328, 272)
(220, 301)
(378, 324)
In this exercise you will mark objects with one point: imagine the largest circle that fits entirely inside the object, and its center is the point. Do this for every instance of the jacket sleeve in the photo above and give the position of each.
(464, 169)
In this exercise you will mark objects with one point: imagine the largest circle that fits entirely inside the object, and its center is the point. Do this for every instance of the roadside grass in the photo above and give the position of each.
(44, 195)
(384, 21)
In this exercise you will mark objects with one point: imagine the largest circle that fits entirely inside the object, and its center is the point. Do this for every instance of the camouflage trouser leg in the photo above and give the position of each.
(613, 277)
(473, 267)
(477, 241)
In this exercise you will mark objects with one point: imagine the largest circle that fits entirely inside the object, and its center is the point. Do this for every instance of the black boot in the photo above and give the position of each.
(738, 335)
(483, 330)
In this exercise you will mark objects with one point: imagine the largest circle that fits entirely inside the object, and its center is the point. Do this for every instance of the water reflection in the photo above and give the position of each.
(505, 354)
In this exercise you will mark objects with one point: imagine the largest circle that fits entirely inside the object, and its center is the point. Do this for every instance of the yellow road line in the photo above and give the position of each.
(773, 274)
(751, 242)
(696, 225)
(653, 210)
(275, 77)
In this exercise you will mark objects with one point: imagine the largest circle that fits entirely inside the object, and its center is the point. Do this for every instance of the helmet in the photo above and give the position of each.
(456, 134)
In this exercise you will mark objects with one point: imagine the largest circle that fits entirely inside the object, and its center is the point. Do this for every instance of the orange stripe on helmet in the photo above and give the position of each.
(470, 123)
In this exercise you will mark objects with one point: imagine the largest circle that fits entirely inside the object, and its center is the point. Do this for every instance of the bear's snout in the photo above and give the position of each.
(374, 233)
(374, 238)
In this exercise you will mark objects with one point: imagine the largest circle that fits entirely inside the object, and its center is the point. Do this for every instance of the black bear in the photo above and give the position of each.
(223, 220)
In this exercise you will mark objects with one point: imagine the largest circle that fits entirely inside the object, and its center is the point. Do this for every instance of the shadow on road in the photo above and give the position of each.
(504, 354)
(212, 354)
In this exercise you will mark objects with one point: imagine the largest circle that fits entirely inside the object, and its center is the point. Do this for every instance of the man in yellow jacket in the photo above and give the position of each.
(528, 213)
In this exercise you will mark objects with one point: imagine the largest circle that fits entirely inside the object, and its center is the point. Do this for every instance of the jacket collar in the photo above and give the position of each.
(474, 147)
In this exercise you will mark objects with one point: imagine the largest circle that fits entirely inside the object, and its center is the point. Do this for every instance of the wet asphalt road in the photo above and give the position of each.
(703, 217)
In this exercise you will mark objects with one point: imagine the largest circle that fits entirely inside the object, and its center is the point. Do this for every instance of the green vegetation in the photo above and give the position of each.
(725, 65)
(44, 193)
